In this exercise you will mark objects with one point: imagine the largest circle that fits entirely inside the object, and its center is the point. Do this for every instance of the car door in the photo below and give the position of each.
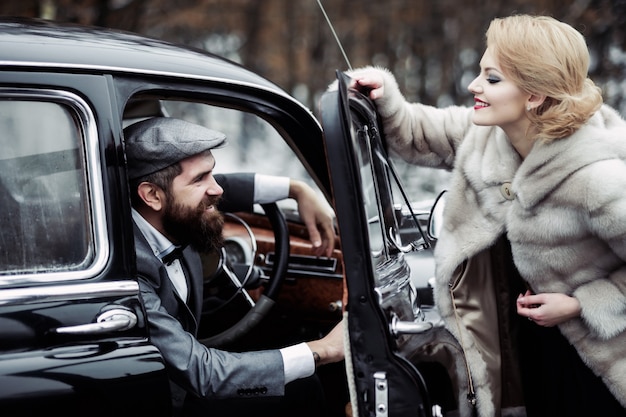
(378, 232)
(73, 336)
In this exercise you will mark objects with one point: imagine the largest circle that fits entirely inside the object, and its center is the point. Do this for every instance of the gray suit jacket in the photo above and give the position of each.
(194, 369)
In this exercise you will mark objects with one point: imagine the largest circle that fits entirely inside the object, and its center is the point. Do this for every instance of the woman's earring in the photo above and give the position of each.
(528, 108)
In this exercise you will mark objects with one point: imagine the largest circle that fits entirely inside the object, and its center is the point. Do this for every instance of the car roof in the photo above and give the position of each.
(43, 45)
(46, 44)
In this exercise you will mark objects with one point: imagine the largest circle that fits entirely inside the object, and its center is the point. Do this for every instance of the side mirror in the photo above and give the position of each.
(435, 220)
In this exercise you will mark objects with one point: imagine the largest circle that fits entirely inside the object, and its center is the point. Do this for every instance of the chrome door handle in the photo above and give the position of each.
(117, 319)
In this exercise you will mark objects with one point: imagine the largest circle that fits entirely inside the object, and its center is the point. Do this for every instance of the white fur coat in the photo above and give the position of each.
(566, 224)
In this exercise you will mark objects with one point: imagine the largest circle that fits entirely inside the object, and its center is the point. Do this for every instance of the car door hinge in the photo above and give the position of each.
(381, 394)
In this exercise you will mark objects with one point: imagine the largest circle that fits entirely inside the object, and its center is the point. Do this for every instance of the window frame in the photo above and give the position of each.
(95, 204)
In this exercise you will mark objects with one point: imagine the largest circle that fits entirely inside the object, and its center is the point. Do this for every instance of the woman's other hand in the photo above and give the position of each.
(547, 309)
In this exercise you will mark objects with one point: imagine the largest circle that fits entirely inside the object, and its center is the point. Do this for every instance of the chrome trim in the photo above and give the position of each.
(294, 274)
(93, 165)
(398, 327)
(144, 71)
(249, 254)
(306, 263)
(395, 241)
(72, 292)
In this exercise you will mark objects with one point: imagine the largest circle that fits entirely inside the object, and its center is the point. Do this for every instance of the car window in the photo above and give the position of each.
(44, 196)
(422, 184)
(371, 195)
(254, 145)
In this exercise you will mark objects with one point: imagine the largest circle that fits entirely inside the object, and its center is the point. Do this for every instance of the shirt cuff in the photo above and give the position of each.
(270, 188)
(298, 362)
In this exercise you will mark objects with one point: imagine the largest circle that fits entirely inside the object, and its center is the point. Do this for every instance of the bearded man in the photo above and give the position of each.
(175, 198)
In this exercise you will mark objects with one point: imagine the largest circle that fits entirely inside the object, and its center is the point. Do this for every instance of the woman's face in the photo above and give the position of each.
(498, 101)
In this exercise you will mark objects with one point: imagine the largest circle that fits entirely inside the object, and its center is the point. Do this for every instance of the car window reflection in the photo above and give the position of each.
(43, 190)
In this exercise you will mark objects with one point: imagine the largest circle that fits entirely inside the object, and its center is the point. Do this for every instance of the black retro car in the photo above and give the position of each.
(73, 333)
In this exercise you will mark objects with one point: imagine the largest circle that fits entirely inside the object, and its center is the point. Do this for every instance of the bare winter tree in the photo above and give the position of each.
(433, 47)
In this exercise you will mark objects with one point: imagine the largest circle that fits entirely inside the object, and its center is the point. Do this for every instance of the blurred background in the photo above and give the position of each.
(432, 46)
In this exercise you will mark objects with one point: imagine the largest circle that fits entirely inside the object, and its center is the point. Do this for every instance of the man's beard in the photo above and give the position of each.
(197, 227)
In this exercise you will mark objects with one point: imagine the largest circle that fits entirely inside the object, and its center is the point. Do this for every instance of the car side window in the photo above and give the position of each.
(44, 197)
(253, 145)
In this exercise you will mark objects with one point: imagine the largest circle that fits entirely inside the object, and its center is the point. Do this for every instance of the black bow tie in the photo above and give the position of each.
(177, 253)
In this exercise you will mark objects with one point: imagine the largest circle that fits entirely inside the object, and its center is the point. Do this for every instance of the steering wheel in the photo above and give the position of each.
(267, 300)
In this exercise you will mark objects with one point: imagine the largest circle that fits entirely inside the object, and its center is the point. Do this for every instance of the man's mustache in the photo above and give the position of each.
(210, 201)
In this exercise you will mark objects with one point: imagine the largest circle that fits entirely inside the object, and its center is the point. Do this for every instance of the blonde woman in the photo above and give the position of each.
(531, 264)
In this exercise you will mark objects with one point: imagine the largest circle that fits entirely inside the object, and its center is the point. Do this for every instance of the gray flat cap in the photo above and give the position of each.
(156, 143)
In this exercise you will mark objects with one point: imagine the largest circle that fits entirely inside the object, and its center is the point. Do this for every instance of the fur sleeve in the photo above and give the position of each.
(603, 300)
(420, 134)
(603, 304)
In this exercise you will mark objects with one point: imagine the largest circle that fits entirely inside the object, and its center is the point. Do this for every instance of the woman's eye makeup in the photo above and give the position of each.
(492, 79)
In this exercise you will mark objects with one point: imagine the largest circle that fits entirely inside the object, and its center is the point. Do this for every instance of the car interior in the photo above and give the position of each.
(266, 288)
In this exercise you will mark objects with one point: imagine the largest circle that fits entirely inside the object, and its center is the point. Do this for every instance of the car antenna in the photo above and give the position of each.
(332, 29)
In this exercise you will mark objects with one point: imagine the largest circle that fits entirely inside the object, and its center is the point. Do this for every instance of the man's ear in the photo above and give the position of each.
(152, 195)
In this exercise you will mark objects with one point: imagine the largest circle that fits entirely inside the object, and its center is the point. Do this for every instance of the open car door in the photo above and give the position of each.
(378, 230)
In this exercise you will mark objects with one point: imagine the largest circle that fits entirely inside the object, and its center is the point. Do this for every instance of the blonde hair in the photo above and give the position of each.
(546, 57)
